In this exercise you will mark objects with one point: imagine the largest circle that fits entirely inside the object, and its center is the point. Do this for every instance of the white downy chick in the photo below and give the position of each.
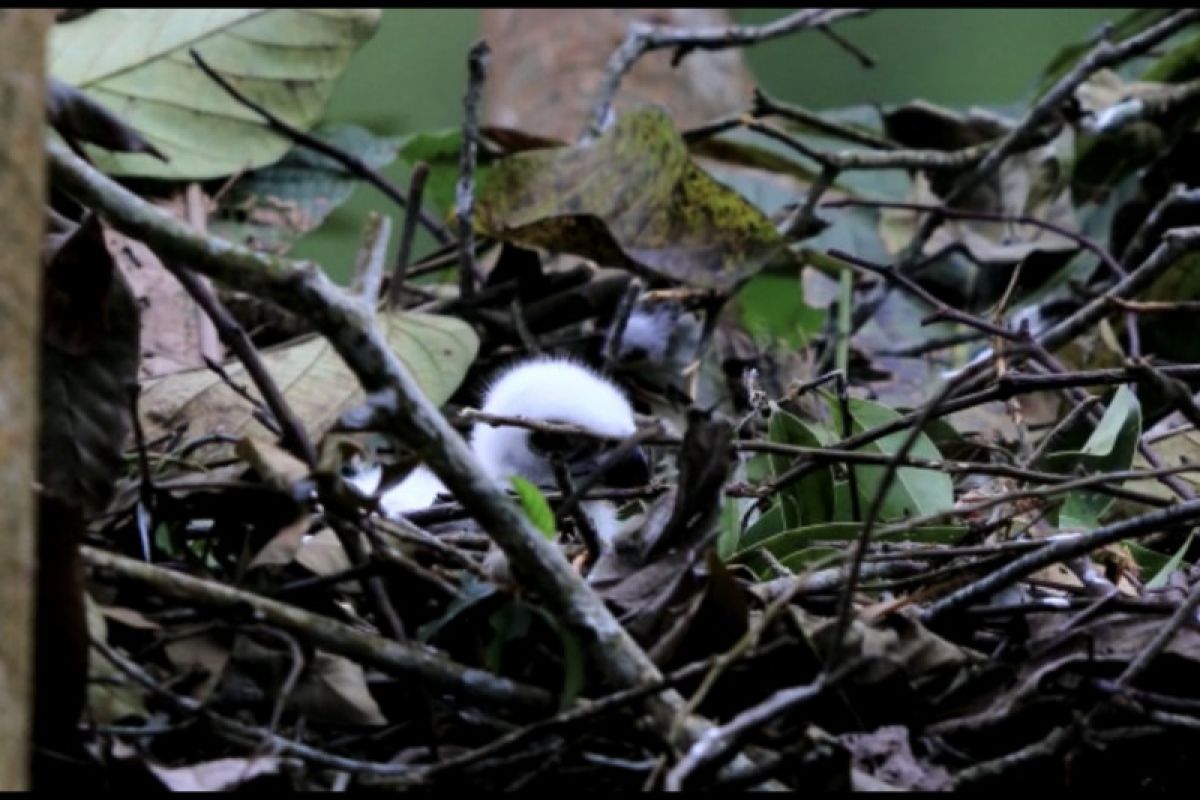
(545, 389)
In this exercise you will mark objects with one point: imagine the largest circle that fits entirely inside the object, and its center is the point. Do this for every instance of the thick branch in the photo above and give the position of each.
(327, 633)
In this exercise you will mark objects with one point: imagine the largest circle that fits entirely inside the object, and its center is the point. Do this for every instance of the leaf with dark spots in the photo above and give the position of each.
(79, 118)
(632, 198)
(89, 362)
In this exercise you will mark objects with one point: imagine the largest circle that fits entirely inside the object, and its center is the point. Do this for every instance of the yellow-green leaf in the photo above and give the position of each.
(136, 64)
(534, 504)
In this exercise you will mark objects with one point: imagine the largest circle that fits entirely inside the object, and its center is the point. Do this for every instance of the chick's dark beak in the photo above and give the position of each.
(629, 471)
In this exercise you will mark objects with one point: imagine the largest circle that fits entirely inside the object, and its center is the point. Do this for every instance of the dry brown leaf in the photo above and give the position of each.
(173, 326)
(334, 690)
(284, 546)
(200, 652)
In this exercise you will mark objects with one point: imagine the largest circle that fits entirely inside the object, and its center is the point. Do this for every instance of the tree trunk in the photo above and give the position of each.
(22, 192)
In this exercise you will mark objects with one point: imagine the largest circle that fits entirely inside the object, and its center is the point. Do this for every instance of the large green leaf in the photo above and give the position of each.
(136, 63)
(1110, 448)
(314, 380)
(633, 198)
(913, 491)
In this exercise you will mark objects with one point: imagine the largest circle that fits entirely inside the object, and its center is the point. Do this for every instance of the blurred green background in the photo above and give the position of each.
(410, 77)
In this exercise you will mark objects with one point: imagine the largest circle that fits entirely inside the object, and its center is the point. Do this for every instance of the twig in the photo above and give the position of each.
(293, 436)
(864, 58)
(477, 61)
(337, 637)
(1012, 219)
(1141, 242)
(1059, 550)
(416, 190)
(587, 531)
(247, 734)
(1064, 425)
(852, 160)
(765, 106)
(846, 602)
(368, 265)
(1183, 615)
(353, 164)
(642, 38)
(616, 328)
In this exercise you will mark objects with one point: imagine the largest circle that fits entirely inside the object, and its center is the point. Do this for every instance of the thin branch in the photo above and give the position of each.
(416, 190)
(616, 328)
(1144, 237)
(1090, 245)
(1184, 615)
(642, 38)
(353, 164)
(477, 61)
(767, 106)
(865, 59)
(337, 637)
(368, 265)
(293, 436)
(1061, 549)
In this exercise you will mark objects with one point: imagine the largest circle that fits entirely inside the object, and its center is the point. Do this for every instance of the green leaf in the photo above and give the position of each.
(136, 63)
(913, 491)
(1160, 578)
(1110, 448)
(731, 528)
(772, 307)
(632, 197)
(271, 208)
(315, 382)
(810, 499)
(440, 152)
(1148, 561)
(534, 504)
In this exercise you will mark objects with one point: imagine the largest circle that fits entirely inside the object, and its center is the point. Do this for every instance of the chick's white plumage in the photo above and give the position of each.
(542, 389)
